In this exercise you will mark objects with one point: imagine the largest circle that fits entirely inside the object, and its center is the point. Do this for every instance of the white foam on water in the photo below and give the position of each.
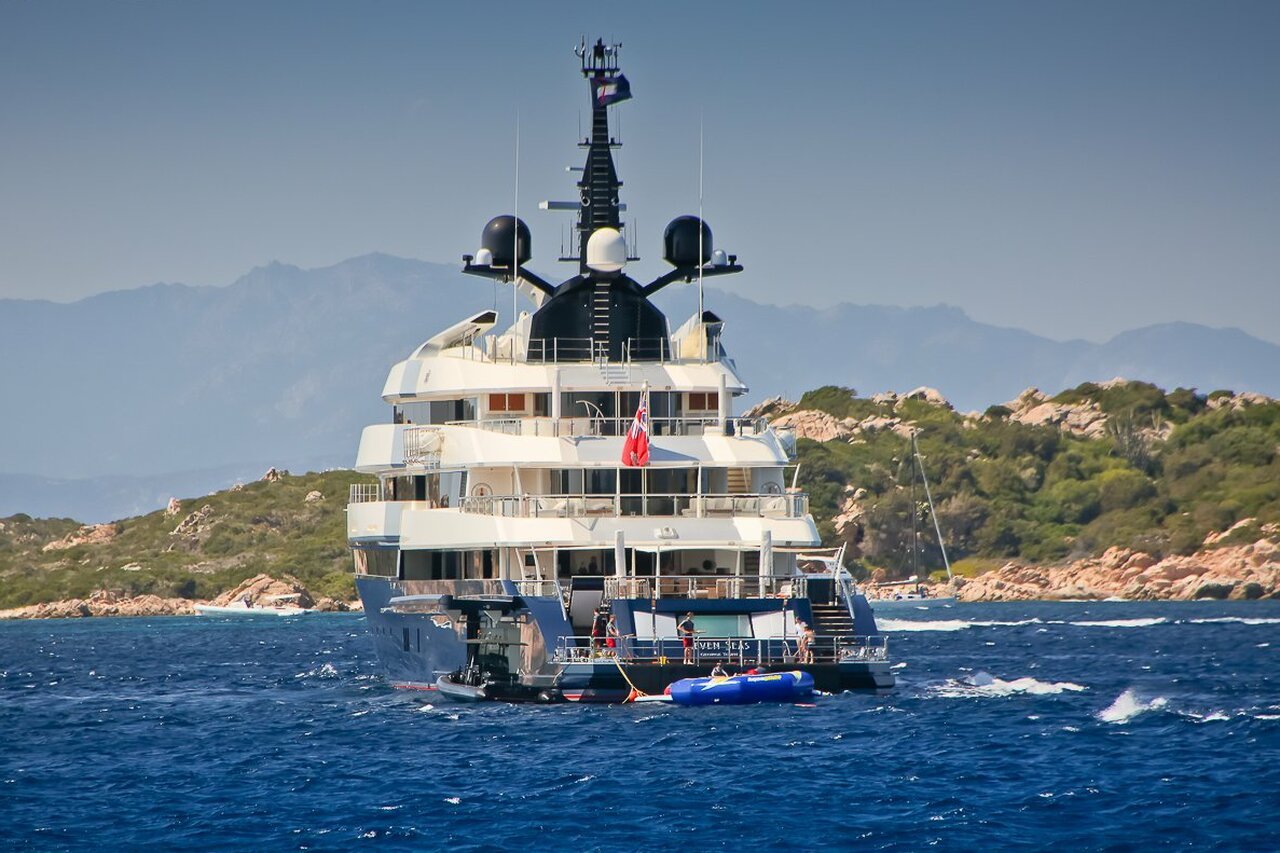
(901, 625)
(1211, 717)
(982, 684)
(453, 801)
(1127, 706)
(899, 665)
(325, 670)
(1241, 620)
(1122, 623)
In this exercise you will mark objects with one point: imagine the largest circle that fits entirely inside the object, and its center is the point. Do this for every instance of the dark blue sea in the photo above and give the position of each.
(1114, 726)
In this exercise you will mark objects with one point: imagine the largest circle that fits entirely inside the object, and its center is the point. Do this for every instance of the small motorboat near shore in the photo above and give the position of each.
(245, 607)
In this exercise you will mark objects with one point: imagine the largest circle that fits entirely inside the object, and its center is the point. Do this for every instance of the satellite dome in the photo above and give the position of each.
(501, 237)
(606, 250)
(680, 242)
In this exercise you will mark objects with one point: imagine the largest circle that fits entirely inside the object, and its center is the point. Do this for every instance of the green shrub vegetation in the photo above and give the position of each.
(261, 527)
(1168, 471)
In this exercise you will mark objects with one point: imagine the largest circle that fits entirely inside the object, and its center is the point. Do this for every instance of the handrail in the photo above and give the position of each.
(706, 586)
(603, 426)
(733, 651)
(363, 493)
(791, 505)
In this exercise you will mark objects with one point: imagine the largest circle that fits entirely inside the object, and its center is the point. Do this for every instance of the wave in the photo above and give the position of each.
(325, 670)
(1241, 620)
(921, 625)
(986, 685)
(1122, 623)
(947, 624)
(1127, 706)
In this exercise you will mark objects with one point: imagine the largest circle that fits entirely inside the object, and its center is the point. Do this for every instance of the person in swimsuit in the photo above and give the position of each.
(613, 637)
(687, 631)
(718, 671)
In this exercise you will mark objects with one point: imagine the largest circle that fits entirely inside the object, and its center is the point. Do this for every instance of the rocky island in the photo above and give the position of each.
(1106, 490)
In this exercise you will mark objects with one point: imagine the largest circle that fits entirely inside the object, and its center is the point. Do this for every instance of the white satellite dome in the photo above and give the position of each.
(606, 250)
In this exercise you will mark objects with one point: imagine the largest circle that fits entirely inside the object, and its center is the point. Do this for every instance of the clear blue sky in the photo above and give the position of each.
(1073, 168)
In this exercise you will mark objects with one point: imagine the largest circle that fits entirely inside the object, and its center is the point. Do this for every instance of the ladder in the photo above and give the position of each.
(600, 300)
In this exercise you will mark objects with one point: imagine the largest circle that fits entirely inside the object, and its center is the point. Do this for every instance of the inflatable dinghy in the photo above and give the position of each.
(793, 686)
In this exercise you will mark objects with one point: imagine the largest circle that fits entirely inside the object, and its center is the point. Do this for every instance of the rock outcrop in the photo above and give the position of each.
(1035, 409)
(195, 523)
(90, 534)
(103, 603)
(312, 497)
(264, 590)
(814, 425)
(1240, 571)
(274, 475)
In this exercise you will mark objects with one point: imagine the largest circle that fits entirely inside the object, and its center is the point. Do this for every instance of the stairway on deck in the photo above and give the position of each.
(831, 620)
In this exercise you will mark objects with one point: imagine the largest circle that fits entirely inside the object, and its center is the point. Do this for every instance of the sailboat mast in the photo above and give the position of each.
(915, 451)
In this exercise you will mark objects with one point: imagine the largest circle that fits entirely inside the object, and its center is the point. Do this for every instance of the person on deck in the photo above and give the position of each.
(807, 639)
(599, 629)
(613, 637)
(718, 671)
(687, 632)
(802, 642)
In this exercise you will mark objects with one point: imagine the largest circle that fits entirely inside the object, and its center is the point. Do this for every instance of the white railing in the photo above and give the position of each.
(792, 505)
(706, 586)
(539, 589)
(422, 446)
(546, 427)
(738, 652)
(363, 493)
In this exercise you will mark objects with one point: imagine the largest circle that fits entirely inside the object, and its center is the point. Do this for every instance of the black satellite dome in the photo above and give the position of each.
(500, 238)
(680, 242)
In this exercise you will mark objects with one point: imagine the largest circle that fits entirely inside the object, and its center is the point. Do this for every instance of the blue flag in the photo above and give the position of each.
(610, 90)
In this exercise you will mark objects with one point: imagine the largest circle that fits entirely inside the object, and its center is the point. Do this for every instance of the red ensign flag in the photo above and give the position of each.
(635, 450)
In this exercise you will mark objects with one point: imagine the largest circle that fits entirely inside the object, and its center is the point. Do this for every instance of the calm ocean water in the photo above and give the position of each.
(1098, 725)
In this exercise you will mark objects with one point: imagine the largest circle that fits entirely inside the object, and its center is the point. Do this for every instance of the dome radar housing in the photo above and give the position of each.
(680, 244)
(505, 235)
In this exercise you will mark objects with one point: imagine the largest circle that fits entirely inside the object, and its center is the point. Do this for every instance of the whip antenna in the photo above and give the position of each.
(701, 226)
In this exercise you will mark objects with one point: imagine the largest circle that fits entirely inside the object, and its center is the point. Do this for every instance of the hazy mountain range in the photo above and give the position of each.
(118, 401)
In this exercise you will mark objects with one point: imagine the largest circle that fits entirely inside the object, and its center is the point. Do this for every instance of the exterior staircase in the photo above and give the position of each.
(615, 373)
(831, 620)
(739, 481)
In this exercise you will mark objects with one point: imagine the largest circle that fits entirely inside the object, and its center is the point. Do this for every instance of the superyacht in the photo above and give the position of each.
(567, 507)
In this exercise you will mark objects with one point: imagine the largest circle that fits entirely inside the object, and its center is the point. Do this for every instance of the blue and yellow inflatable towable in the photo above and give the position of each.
(793, 686)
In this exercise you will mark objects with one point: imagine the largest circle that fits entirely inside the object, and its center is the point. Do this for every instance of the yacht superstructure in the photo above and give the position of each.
(508, 541)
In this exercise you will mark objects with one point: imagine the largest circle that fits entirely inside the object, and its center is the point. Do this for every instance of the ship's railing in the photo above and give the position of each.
(539, 588)
(556, 350)
(363, 493)
(422, 446)
(790, 505)
(736, 652)
(706, 586)
(547, 427)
